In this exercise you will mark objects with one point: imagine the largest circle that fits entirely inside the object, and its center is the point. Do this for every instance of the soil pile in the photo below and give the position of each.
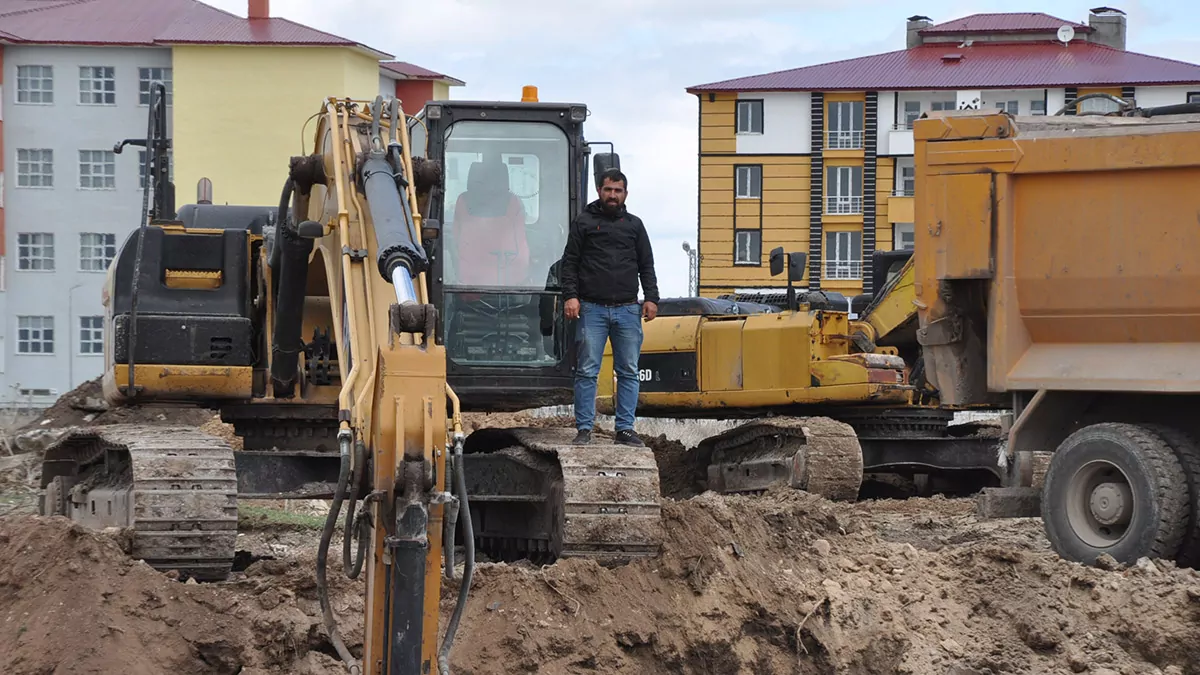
(85, 406)
(780, 583)
(789, 583)
(73, 602)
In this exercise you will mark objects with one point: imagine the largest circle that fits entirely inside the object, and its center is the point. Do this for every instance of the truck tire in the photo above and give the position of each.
(1117, 489)
(1188, 451)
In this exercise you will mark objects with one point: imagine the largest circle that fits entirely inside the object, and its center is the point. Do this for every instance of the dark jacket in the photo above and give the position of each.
(605, 256)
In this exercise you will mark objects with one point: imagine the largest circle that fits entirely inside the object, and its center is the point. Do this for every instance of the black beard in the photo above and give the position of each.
(610, 207)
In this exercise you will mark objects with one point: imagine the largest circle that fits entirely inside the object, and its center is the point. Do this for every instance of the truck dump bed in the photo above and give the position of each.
(1057, 253)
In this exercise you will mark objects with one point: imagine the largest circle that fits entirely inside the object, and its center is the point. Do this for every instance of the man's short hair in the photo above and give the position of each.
(614, 174)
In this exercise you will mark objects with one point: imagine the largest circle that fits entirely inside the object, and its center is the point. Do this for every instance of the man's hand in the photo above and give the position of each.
(649, 310)
(571, 309)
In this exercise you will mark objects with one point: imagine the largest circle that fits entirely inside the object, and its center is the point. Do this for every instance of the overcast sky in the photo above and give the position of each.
(631, 60)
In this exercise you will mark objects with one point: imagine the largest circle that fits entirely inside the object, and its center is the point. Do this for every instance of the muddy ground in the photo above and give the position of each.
(779, 583)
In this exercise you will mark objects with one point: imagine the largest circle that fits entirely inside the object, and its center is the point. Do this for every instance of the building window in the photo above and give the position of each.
(912, 110)
(91, 335)
(1010, 107)
(902, 236)
(97, 85)
(97, 169)
(747, 247)
(749, 182)
(35, 84)
(843, 196)
(906, 180)
(845, 125)
(1100, 105)
(1193, 97)
(943, 105)
(1037, 107)
(750, 117)
(35, 251)
(170, 167)
(843, 255)
(96, 251)
(147, 76)
(35, 168)
(35, 335)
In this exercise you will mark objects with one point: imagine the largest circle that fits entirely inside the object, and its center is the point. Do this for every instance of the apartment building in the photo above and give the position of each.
(76, 77)
(820, 158)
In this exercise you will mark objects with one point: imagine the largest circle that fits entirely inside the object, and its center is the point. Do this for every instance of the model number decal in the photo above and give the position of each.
(648, 375)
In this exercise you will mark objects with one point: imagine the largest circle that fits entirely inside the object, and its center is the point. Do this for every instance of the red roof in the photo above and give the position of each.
(980, 66)
(414, 72)
(151, 23)
(1013, 22)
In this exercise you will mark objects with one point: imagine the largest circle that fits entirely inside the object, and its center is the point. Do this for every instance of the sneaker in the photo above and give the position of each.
(627, 437)
(583, 437)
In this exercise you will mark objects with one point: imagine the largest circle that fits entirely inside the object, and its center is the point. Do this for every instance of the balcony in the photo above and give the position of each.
(843, 270)
(900, 140)
(844, 140)
(843, 206)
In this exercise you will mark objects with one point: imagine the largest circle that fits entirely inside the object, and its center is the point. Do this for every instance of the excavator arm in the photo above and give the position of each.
(358, 197)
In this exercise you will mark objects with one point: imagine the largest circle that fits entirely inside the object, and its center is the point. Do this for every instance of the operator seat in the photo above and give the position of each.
(490, 243)
(491, 250)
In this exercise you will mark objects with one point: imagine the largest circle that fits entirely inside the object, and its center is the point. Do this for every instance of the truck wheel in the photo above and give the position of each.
(1188, 451)
(1117, 489)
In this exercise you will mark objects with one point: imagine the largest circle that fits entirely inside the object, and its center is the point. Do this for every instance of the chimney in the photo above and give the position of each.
(259, 9)
(915, 24)
(1108, 25)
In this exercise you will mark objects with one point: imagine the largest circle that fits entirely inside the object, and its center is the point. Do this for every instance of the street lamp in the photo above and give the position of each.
(693, 269)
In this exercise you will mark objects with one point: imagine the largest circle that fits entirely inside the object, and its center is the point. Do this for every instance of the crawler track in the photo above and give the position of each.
(174, 487)
(815, 454)
(551, 499)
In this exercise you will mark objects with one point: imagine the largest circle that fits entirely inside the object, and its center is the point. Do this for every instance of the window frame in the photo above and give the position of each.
(30, 79)
(104, 245)
(47, 319)
(53, 253)
(40, 162)
(145, 80)
(97, 335)
(751, 105)
(92, 79)
(106, 154)
(754, 170)
(830, 262)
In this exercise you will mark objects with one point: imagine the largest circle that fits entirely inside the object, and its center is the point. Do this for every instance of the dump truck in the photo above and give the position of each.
(1053, 281)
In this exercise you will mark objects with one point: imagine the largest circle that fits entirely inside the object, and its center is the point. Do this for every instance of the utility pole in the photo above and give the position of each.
(693, 270)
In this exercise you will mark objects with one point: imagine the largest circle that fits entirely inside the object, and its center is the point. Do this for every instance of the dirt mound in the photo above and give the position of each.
(789, 583)
(73, 602)
(85, 406)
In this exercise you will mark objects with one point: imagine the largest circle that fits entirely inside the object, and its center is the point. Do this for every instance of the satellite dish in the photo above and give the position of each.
(1066, 34)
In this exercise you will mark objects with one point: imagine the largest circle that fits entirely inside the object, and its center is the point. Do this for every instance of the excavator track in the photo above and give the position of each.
(599, 501)
(174, 488)
(815, 454)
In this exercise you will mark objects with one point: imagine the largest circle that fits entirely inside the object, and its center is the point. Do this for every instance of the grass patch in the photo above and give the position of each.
(251, 517)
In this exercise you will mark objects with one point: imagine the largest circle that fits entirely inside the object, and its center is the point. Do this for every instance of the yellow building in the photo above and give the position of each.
(819, 159)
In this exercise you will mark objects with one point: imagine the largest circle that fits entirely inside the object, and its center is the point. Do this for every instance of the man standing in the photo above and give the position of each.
(607, 252)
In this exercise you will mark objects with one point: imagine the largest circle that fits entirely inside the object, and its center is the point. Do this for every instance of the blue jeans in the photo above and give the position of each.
(596, 325)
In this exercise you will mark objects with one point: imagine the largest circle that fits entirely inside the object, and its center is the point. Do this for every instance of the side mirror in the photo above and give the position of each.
(796, 264)
(603, 161)
(777, 261)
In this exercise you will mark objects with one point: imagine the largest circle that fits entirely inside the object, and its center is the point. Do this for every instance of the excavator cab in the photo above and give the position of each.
(514, 175)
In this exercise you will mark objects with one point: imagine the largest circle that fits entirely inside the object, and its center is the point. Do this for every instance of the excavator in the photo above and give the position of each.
(408, 274)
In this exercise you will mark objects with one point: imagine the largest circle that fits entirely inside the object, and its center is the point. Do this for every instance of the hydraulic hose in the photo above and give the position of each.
(339, 493)
(352, 567)
(460, 484)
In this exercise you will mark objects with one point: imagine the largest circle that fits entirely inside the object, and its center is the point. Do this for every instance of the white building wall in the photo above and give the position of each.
(66, 210)
(887, 119)
(1148, 97)
(787, 124)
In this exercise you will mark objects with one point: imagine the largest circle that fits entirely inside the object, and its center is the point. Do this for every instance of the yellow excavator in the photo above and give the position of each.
(1052, 283)
(407, 274)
